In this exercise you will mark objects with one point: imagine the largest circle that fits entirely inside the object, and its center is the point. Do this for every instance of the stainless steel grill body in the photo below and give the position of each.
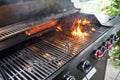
(45, 55)
(49, 54)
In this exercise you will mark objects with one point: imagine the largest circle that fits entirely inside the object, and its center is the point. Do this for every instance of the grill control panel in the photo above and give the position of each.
(99, 53)
(82, 66)
(87, 64)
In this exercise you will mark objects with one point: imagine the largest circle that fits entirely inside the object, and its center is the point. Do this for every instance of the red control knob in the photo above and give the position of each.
(98, 54)
(108, 45)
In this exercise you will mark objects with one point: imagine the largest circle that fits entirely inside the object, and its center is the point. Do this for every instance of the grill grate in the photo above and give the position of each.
(13, 29)
(27, 64)
(46, 55)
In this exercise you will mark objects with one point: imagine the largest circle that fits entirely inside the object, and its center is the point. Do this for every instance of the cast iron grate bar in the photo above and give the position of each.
(32, 64)
(52, 50)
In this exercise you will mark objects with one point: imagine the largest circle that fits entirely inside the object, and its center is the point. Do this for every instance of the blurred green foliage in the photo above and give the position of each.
(114, 52)
(113, 8)
(118, 33)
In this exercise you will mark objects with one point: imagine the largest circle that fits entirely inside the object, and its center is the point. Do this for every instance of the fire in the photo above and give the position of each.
(85, 22)
(38, 28)
(93, 29)
(59, 28)
(77, 32)
(85, 34)
(77, 28)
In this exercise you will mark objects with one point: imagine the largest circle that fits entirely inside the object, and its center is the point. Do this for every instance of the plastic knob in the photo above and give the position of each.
(98, 54)
(103, 49)
(69, 77)
(111, 40)
(115, 37)
(85, 66)
(108, 44)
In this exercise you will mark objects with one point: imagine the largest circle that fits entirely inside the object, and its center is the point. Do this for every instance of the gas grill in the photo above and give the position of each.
(62, 45)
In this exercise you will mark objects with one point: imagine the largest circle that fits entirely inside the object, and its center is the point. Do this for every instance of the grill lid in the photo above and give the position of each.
(12, 11)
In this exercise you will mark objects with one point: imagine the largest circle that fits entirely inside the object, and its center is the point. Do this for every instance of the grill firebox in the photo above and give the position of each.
(43, 56)
(51, 40)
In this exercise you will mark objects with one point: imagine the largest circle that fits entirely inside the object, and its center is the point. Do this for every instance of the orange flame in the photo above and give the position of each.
(59, 28)
(77, 32)
(38, 28)
(93, 29)
(85, 22)
(77, 29)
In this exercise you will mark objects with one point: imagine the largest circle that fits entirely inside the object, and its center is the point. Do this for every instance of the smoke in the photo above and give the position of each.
(12, 11)
(4, 2)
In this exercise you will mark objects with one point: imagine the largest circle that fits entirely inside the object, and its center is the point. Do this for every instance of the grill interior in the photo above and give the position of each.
(44, 56)
(25, 25)
(39, 58)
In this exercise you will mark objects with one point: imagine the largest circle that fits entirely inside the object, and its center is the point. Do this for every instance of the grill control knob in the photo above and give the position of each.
(85, 66)
(98, 54)
(111, 40)
(115, 37)
(103, 49)
(69, 77)
(108, 44)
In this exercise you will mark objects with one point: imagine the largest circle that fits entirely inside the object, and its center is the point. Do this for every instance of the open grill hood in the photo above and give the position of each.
(12, 11)
(20, 16)
(51, 40)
